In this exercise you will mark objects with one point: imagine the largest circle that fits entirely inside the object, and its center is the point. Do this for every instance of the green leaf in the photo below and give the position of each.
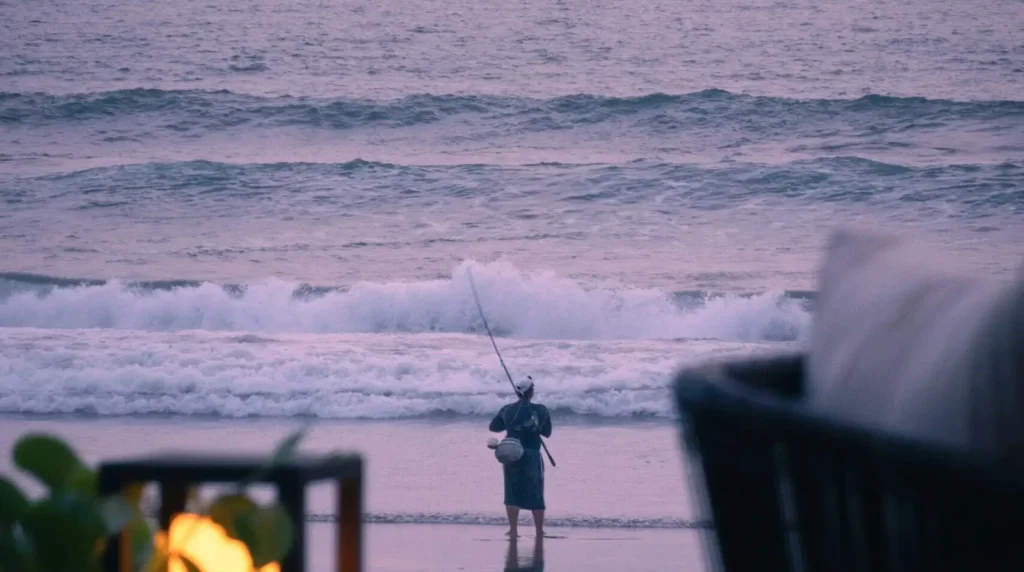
(83, 480)
(140, 537)
(189, 565)
(15, 552)
(227, 509)
(268, 533)
(284, 452)
(65, 530)
(132, 494)
(116, 513)
(13, 503)
(47, 458)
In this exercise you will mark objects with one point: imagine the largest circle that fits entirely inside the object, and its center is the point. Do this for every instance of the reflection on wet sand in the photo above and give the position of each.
(530, 562)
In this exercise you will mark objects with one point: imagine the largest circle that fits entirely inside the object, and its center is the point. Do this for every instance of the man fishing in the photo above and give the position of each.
(524, 478)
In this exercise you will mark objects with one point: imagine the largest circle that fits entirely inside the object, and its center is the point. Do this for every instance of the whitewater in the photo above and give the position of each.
(392, 350)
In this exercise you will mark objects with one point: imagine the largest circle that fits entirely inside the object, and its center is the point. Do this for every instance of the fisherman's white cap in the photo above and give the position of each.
(524, 385)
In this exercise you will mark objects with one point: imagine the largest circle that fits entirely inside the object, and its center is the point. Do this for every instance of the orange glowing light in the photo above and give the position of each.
(208, 546)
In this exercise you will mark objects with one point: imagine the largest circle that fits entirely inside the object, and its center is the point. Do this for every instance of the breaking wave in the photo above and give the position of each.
(517, 304)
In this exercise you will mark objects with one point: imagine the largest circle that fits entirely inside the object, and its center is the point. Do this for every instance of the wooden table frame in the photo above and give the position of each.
(176, 472)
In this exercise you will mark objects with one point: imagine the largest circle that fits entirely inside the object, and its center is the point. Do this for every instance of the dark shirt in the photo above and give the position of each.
(514, 417)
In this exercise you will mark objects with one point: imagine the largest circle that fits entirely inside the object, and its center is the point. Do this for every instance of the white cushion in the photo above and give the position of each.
(906, 340)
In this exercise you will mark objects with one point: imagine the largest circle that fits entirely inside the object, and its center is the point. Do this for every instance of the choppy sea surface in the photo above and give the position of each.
(221, 211)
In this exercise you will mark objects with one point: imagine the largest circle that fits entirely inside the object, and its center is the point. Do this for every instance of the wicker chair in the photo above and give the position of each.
(791, 490)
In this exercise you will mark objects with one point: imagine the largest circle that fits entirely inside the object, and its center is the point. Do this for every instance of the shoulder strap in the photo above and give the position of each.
(509, 420)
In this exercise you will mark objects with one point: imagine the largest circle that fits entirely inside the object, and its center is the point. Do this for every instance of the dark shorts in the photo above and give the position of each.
(524, 481)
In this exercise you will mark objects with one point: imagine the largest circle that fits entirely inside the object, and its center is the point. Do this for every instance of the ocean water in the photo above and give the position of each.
(222, 214)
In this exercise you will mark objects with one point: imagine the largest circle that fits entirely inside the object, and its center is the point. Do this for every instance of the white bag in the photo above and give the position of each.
(509, 450)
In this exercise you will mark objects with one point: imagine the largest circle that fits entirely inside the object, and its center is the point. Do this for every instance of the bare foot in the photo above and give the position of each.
(512, 534)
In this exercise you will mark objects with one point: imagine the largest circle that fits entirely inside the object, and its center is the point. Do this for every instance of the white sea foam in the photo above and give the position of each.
(517, 304)
(334, 376)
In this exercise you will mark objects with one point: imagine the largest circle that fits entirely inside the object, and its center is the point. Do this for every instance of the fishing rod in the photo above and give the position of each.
(476, 298)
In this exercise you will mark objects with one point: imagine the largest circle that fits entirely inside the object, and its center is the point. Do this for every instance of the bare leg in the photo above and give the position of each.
(538, 520)
(513, 520)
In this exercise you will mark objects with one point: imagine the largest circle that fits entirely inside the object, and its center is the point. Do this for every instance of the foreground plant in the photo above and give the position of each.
(67, 528)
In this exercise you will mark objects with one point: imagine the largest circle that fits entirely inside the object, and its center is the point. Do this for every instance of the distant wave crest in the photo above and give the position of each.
(976, 189)
(193, 109)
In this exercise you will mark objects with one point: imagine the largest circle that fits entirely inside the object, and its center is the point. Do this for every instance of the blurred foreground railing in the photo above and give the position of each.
(789, 490)
(175, 474)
